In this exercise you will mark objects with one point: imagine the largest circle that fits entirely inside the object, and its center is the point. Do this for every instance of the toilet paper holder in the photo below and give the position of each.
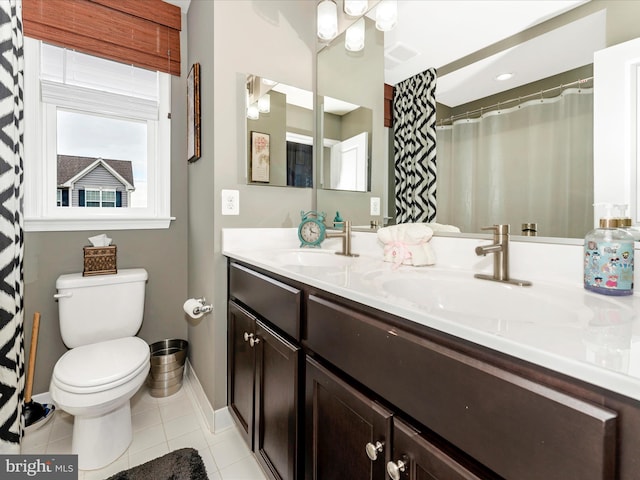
(203, 307)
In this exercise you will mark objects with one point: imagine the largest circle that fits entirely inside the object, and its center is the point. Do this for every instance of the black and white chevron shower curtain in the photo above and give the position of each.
(414, 120)
(11, 233)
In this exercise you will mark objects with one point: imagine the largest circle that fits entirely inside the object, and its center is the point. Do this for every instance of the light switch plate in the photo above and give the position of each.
(230, 202)
(375, 206)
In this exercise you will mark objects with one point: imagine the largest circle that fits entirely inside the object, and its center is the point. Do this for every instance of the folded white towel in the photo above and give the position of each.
(441, 227)
(407, 244)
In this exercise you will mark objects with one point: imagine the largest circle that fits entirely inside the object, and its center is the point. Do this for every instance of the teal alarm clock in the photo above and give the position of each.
(312, 230)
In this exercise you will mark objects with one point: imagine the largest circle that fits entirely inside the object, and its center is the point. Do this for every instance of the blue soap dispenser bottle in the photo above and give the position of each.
(608, 257)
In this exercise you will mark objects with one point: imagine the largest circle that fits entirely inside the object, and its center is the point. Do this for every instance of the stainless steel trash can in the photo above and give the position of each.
(167, 367)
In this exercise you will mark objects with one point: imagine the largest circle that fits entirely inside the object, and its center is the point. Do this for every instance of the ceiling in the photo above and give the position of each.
(436, 33)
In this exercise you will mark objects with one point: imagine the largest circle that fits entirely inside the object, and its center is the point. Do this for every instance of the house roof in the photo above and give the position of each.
(69, 166)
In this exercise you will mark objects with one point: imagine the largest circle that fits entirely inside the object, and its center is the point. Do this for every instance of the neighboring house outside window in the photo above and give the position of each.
(94, 182)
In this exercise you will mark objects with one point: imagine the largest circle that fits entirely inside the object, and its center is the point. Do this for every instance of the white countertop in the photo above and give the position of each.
(594, 338)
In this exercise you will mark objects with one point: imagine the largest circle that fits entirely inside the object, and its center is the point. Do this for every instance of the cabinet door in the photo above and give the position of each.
(415, 458)
(277, 393)
(241, 368)
(343, 428)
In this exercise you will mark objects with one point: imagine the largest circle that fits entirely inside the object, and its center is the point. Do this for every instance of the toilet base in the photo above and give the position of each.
(100, 440)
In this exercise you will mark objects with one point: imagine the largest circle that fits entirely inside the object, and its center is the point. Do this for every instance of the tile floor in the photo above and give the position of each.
(160, 425)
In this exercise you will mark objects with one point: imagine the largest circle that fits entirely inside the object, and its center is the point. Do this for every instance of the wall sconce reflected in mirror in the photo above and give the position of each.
(327, 19)
(386, 15)
(354, 39)
(264, 103)
(355, 8)
(252, 112)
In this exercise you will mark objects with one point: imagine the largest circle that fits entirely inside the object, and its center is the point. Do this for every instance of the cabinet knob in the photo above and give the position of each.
(253, 341)
(247, 336)
(395, 469)
(374, 449)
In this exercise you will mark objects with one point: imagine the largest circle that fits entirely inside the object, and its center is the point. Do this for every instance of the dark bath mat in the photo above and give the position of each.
(183, 464)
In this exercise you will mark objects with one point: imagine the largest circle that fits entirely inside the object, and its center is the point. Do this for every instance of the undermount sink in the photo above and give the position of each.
(460, 296)
(311, 258)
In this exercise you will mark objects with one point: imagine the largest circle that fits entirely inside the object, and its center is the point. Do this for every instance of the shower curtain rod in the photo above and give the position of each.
(482, 110)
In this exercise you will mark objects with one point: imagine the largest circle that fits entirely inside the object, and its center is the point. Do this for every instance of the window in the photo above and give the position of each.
(91, 197)
(98, 135)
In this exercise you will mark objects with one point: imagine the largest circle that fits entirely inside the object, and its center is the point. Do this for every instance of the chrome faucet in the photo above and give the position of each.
(500, 250)
(345, 234)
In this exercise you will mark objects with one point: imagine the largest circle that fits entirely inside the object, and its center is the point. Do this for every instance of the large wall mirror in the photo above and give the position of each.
(346, 137)
(350, 89)
(279, 128)
(572, 33)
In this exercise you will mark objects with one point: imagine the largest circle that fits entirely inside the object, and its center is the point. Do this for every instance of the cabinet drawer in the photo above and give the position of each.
(520, 429)
(272, 300)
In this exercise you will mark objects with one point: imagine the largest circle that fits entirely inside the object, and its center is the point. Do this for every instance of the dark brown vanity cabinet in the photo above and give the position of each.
(384, 398)
(263, 388)
(508, 424)
(347, 433)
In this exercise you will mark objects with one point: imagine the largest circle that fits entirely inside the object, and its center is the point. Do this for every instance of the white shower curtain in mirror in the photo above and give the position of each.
(414, 143)
(532, 163)
(11, 222)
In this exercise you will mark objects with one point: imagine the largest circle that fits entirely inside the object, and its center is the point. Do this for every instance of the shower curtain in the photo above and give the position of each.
(414, 120)
(526, 164)
(11, 221)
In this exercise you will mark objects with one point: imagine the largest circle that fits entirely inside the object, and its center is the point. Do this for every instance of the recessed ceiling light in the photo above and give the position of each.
(504, 76)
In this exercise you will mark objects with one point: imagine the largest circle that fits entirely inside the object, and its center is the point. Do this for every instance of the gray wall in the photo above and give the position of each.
(162, 252)
(274, 39)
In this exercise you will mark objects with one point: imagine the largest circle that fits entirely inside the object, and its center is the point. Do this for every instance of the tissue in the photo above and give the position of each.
(191, 306)
(100, 240)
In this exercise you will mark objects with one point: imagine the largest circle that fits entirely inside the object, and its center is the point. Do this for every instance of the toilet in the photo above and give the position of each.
(106, 364)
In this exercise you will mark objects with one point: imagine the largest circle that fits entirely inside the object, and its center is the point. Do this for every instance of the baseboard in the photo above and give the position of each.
(223, 419)
(216, 420)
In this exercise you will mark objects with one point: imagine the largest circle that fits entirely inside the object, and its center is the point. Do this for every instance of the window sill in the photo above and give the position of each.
(78, 224)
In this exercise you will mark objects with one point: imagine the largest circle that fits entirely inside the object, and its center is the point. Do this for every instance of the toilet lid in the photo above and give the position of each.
(102, 365)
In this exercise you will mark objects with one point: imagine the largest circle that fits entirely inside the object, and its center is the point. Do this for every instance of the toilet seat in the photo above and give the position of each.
(101, 366)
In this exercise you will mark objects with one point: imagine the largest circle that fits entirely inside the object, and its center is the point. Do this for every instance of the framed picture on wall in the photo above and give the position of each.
(193, 113)
(260, 157)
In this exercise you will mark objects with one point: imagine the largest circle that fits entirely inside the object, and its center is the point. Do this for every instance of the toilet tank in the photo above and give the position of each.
(100, 307)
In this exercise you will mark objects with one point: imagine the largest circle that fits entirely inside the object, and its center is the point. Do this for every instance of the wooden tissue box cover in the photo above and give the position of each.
(100, 260)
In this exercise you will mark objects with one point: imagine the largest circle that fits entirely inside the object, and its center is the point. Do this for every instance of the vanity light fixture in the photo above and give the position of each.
(355, 8)
(252, 112)
(504, 76)
(386, 15)
(327, 19)
(264, 103)
(354, 39)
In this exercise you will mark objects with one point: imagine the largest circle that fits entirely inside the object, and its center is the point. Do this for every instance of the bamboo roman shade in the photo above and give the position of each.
(144, 33)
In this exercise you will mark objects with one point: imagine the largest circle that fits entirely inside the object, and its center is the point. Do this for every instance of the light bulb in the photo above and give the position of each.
(252, 112)
(264, 103)
(327, 19)
(354, 39)
(355, 8)
(386, 15)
